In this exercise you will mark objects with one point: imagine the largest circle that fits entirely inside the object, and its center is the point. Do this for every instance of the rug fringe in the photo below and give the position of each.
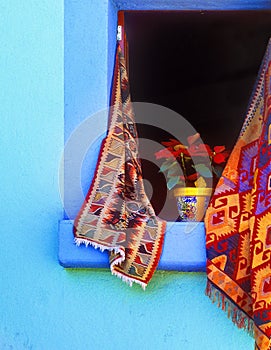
(127, 280)
(119, 260)
(238, 317)
(102, 248)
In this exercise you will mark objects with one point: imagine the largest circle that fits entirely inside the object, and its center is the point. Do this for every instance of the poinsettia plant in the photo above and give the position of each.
(193, 165)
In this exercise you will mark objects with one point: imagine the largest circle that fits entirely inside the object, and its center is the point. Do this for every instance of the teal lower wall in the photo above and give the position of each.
(44, 306)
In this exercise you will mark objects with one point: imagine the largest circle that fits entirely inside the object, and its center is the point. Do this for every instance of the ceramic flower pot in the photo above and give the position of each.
(192, 202)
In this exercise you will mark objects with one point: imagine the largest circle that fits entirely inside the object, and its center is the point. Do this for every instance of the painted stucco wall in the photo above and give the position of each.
(42, 305)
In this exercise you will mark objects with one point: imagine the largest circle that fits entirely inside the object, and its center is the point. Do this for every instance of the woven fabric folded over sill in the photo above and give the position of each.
(117, 215)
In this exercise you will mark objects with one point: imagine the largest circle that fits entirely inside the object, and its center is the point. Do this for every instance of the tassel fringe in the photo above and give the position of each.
(102, 248)
(116, 250)
(126, 279)
(238, 317)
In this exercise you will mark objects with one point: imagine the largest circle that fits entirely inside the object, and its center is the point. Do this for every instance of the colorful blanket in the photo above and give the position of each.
(117, 215)
(238, 221)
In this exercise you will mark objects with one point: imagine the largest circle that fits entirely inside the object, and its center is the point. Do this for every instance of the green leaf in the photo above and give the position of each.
(166, 165)
(203, 170)
(218, 170)
(174, 170)
(172, 182)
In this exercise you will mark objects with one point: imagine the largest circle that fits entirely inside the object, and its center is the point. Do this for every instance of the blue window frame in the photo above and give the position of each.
(89, 54)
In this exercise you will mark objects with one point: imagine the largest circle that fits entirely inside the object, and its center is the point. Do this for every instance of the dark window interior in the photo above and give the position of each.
(200, 64)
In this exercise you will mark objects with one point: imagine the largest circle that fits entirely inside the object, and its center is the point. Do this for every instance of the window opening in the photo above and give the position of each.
(201, 64)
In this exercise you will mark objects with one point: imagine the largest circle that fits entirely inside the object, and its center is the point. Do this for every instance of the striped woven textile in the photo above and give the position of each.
(117, 215)
(238, 221)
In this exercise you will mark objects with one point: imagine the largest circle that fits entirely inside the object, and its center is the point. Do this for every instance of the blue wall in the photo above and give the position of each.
(44, 306)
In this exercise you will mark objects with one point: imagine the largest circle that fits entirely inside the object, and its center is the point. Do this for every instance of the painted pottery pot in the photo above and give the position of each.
(192, 202)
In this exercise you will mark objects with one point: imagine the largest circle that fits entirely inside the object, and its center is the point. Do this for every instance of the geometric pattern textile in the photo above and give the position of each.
(238, 221)
(117, 215)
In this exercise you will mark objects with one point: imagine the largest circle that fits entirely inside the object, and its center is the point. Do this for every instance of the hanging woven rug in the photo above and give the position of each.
(238, 221)
(117, 215)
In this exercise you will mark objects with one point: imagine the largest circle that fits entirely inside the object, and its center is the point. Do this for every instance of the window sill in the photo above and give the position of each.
(184, 249)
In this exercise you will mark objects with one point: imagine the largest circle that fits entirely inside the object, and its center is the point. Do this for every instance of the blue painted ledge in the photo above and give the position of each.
(192, 5)
(184, 249)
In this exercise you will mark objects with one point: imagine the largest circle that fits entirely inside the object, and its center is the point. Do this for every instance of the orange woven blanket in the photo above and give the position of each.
(238, 221)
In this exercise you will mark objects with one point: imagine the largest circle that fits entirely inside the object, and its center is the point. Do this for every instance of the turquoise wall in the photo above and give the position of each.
(44, 306)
